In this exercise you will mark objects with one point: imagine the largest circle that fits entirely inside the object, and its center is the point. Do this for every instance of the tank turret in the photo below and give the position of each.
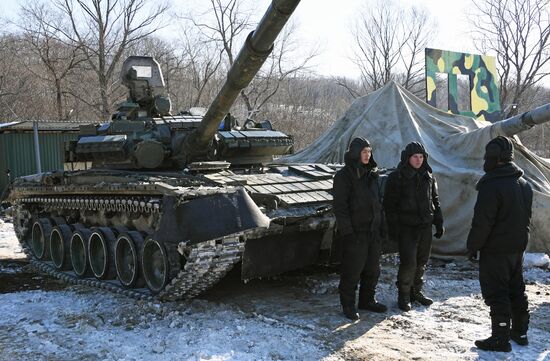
(144, 134)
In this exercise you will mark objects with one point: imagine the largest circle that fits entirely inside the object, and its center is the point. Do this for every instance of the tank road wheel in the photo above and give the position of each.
(41, 230)
(60, 244)
(101, 253)
(156, 265)
(79, 251)
(127, 255)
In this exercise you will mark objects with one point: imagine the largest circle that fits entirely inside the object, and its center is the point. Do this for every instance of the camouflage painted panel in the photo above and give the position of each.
(482, 74)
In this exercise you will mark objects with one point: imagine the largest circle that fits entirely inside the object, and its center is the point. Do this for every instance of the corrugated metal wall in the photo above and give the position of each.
(17, 153)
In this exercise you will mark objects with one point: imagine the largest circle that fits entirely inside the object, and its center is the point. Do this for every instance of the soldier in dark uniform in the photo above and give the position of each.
(500, 231)
(360, 223)
(412, 206)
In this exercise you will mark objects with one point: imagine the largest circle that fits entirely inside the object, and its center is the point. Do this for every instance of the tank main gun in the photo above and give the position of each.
(250, 59)
(525, 121)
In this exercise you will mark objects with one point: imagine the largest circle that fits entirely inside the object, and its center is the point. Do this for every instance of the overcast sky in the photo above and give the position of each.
(327, 24)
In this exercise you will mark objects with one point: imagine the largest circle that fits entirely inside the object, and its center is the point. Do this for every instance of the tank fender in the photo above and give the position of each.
(209, 217)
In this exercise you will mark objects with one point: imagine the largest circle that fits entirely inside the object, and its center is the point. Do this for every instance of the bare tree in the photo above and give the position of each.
(220, 27)
(225, 23)
(536, 138)
(59, 59)
(518, 31)
(14, 83)
(104, 29)
(305, 106)
(203, 59)
(389, 42)
(282, 63)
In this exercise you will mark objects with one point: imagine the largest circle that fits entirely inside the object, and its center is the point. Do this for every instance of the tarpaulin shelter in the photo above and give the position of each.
(391, 117)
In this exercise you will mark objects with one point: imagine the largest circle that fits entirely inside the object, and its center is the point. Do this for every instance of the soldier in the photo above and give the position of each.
(500, 231)
(360, 223)
(412, 205)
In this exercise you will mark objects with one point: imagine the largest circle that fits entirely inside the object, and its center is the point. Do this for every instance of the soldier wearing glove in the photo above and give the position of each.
(411, 204)
(360, 223)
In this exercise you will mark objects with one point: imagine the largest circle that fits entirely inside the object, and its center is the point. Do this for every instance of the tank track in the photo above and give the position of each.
(206, 262)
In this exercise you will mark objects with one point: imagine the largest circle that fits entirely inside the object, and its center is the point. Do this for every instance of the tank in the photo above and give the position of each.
(161, 206)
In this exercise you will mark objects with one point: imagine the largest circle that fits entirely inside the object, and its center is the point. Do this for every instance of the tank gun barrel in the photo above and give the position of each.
(512, 126)
(250, 59)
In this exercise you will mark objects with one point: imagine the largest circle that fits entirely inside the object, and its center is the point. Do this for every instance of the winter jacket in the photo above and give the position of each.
(502, 213)
(356, 194)
(411, 197)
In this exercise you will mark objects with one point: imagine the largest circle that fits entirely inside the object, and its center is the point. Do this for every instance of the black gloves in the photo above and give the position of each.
(439, 231)
(473, 255)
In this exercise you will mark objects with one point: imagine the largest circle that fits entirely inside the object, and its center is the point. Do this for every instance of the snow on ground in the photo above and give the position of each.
(85, 325)
(9, 247)
(292, 317)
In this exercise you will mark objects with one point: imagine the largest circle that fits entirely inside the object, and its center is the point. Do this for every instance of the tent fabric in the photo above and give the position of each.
(391, 117)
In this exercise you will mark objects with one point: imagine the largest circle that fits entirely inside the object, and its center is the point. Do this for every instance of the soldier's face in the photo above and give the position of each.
(416, 160)
(365, 155)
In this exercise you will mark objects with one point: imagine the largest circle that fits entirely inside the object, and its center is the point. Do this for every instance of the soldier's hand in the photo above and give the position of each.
(473, 256)
(439, 231)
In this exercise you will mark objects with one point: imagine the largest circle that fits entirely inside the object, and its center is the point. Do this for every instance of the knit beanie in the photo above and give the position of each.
(353, 155)
(499, 149)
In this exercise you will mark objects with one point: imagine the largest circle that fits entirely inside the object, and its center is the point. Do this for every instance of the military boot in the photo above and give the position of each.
(368, 302)
(404, 301)
(347, 300)
(417, 295)
(500, 338)
(520, 324)
(350, 312)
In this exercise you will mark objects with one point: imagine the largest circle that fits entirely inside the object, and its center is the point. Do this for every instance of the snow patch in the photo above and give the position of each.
(99, 326)
(536, 260)
(9, 246)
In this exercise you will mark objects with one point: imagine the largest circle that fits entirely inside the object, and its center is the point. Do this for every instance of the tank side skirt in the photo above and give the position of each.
(206, 262)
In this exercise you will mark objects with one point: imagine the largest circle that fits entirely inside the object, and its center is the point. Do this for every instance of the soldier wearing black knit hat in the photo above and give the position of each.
(500, 231)
(360, 223)
(411, 203)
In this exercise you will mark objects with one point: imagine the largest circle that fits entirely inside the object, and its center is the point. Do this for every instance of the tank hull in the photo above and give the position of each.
(171, 236)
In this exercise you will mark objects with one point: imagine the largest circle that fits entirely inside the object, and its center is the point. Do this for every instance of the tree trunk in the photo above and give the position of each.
(59, 99)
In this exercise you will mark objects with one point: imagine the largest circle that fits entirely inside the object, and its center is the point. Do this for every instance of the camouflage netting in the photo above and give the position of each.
(391, 117)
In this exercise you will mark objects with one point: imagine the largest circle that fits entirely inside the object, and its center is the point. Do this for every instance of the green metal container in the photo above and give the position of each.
(17, 153)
